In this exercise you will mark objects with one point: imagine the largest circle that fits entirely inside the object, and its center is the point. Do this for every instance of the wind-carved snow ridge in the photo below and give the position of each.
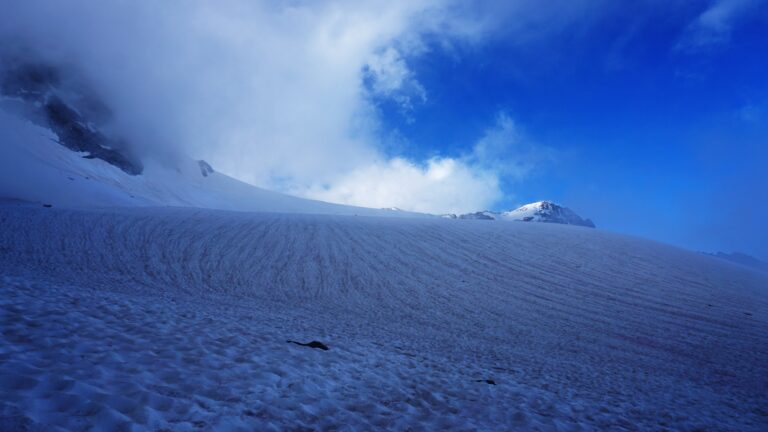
(177, 319)
(540, 211)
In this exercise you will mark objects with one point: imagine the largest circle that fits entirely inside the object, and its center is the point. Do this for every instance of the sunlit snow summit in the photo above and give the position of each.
(540, 211)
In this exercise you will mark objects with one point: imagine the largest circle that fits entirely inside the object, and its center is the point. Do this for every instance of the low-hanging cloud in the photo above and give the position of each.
(280, 95)
(461, 184)
(441, 185)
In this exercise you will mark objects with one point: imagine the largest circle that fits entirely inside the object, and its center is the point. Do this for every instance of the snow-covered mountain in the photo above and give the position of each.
(133, 300)
(546, 211)
(57, 149)
(540, 211)
(71, 113)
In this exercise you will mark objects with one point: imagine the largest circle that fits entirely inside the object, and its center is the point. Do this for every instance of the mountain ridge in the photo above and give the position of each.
(539, 211)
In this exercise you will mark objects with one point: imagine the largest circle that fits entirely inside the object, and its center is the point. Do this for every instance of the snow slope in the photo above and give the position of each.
(177, 319)
(34, 167)
(58, 147)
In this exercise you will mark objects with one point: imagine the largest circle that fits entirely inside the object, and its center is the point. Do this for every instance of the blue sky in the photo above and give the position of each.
(650, 116)
(655, 131)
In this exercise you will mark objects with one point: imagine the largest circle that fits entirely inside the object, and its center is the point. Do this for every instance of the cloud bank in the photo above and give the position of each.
(460, 184)
(278, 94)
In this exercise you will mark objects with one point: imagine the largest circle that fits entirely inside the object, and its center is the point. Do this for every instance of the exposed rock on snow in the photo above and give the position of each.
(35, 168)
(38, 88)
(313, 344)
(205, 168)
(478, 216)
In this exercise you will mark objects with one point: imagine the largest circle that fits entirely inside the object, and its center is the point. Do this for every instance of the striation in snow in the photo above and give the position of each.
(123, 308)
(177, 319)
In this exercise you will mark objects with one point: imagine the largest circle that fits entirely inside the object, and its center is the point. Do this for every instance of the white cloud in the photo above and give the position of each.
(462, 184)
(506, 150)
(275, 93)
(714, 25)
(391, 78)
(263, 90)
(441, 185)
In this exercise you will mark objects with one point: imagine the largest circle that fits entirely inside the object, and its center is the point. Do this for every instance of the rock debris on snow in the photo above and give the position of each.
(313, 344)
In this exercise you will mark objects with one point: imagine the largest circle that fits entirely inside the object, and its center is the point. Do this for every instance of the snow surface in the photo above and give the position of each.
(177, 319)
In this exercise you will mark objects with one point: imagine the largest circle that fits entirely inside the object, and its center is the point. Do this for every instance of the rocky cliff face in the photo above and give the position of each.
(74, 115)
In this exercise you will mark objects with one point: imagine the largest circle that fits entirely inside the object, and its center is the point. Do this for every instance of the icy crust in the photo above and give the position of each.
(173, 319)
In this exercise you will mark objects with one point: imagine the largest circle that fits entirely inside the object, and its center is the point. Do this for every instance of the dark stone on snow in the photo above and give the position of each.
(313, 344)
(47, 205)
(205, 168)
(487, 381)
(476, 216)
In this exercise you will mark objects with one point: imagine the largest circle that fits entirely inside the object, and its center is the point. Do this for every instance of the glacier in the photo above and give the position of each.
(145, 318)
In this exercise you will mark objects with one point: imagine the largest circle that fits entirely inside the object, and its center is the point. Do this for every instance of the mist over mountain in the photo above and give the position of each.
(36, 90)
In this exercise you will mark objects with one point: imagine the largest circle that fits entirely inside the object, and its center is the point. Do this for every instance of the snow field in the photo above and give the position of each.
(177, 319)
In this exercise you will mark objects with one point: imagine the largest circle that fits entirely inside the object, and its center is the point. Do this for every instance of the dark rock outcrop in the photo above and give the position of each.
(39, 86)
(205, 168)
(477, 215)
